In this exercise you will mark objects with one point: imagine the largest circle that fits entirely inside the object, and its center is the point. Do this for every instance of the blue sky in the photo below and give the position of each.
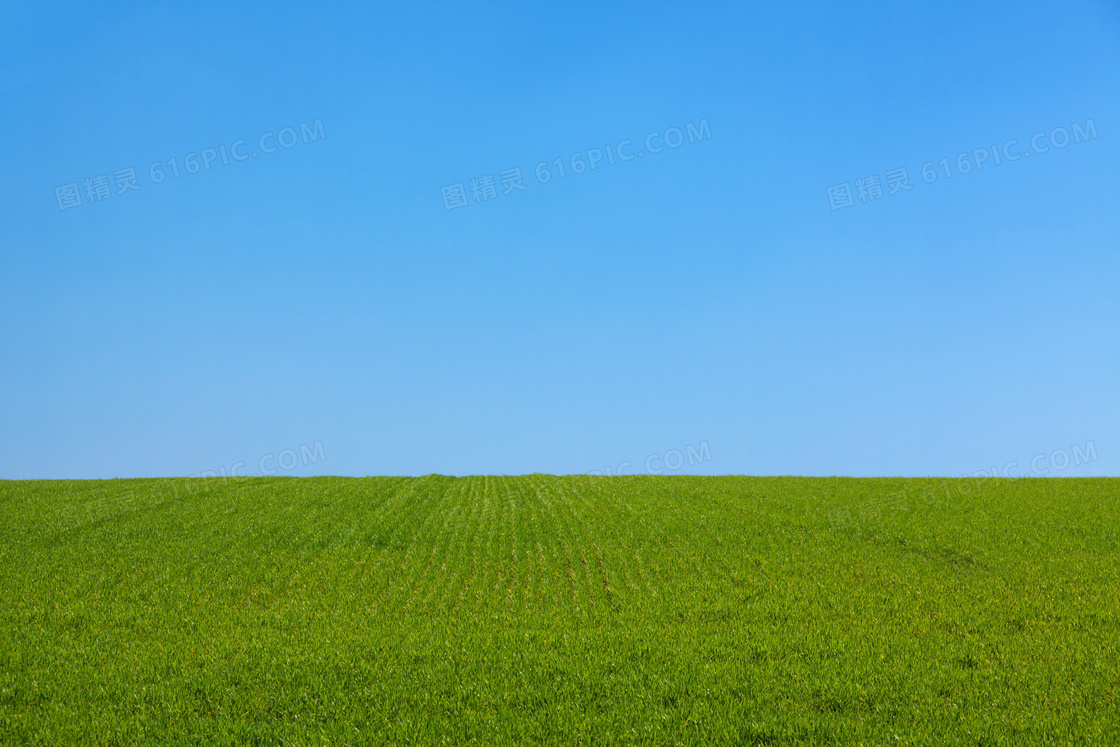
(713, 293)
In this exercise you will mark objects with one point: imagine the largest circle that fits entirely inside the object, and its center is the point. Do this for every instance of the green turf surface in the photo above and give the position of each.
(491, 610)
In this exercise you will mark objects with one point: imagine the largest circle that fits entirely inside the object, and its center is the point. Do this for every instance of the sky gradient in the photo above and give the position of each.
(719, 292)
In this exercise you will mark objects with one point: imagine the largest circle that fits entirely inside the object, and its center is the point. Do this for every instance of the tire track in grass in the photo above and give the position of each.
(475, 598)
(505, 571)
(477, 489)
(703, 540)
(628, 560)
(385, 541)
(732, 555)
(497, 554)
(464, 566)
(561, 550)
(515, 593)
(546, 590)
(662, 563)
(491, 570)
(700, 581)
(522, 562)
(358, 547)
(576, 563)
(552, 579)
(533, 599)
(634, 545)
(520, 570)
(618, 576)
(439, 590)
(579, 535)
(438, 540)
(598, 511)
(424, 515)
(474, 545)
(467, 559)
(502, 568)
(482, 546)
(395, 510)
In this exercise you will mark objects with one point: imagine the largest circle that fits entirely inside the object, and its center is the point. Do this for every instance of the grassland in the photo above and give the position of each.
(537, 609)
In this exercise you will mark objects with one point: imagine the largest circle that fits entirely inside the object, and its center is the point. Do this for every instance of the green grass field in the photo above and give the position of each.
(575, 610)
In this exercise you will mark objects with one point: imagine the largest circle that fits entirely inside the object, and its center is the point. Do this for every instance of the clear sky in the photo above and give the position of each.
(359, 287)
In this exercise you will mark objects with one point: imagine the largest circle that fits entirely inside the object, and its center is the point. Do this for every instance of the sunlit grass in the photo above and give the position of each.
(537, 609)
